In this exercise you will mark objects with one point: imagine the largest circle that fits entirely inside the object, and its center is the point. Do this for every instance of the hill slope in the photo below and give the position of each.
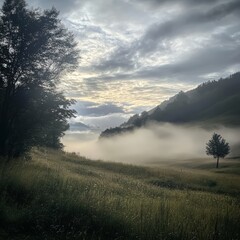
(216, 102)
(62, 196)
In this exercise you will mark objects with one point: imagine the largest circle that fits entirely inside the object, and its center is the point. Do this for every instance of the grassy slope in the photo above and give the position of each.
(62, 196)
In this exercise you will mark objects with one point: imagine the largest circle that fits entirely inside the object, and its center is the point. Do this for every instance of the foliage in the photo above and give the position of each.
(35, 52)
(211, 103)
(217, 147)
(63, 196)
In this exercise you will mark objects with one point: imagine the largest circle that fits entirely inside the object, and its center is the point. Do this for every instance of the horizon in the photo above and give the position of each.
(120, 119)
(136, 54)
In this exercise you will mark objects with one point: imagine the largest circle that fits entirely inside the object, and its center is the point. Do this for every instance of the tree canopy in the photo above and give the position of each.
(217, 147)
(36, 50)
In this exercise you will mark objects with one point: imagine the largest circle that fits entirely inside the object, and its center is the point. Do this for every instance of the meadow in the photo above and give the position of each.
(58, 195)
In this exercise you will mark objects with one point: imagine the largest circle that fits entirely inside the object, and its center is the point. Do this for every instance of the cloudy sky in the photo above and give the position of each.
(137, 53)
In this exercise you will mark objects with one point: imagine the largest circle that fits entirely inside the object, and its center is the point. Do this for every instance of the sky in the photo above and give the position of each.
(137, 53)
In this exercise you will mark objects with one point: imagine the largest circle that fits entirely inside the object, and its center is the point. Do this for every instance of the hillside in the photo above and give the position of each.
(56, 195)
(210, 104)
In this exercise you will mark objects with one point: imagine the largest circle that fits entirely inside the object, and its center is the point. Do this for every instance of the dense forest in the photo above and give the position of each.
(211, 103)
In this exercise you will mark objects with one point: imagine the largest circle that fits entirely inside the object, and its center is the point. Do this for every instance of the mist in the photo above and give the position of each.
(156, 142)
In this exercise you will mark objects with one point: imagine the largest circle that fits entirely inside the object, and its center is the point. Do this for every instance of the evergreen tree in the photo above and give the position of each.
(35, 52)
(217, 147)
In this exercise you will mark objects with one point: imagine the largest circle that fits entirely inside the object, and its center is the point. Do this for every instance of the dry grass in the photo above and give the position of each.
(63, 196)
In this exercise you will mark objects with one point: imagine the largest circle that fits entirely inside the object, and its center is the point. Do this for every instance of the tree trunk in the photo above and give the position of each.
(5, 119)
(217, 162)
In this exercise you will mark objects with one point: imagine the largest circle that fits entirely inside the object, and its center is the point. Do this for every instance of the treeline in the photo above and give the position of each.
(214, 101)
(210, 100)
(35, 52)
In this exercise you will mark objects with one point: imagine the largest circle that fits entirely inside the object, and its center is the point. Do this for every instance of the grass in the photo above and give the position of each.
(62, 196)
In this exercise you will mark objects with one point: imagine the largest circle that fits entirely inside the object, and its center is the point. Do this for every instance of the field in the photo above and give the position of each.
(57, 195)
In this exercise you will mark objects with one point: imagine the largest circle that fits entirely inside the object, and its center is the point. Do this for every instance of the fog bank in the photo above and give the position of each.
(153, 143)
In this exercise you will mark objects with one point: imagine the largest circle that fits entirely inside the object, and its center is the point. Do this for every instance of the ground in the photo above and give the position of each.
(57, 195)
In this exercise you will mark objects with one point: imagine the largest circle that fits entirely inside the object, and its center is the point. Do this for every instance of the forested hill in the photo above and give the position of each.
(215, 102)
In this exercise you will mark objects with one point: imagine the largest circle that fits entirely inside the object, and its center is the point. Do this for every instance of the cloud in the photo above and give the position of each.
(138, 53)
(154, 38)
(217, 54)
(85, 108)
(189, 69)
(207, 60)
(101, 123)
(61, 5)
(97, 117)
(183, 2)
(185, 24)
(156, 143)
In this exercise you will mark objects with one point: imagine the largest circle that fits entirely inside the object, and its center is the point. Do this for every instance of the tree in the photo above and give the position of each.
(217, 147)
(35, 53)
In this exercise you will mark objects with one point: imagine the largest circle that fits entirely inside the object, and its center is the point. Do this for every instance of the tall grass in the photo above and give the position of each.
(62, 196)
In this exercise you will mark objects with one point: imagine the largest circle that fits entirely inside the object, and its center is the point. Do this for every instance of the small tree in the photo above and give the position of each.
(217, 147)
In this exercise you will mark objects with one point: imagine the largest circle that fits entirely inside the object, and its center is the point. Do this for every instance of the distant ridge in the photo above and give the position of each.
(211, 103)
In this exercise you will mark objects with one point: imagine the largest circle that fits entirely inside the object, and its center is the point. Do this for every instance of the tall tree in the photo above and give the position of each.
(217, 147)
(35, 52)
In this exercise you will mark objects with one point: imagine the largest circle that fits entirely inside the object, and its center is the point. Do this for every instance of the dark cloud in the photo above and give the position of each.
(96, 117)
(121, 58)
(110, 120)
(208, 59)
(61, 5)
(186, 24)
(154, 38)
(175, 41)
(85, 108)
(185, 2)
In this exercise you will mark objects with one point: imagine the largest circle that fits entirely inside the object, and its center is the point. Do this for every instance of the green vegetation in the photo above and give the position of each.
(209, 105)
(217, 147)
(35, 53)
(62, 196)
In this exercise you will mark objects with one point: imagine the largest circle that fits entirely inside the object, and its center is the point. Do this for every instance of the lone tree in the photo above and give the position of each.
(217, 147)
(35, 53)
